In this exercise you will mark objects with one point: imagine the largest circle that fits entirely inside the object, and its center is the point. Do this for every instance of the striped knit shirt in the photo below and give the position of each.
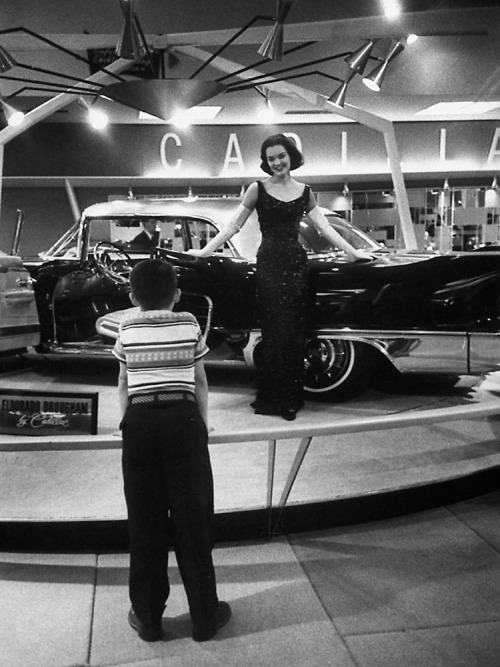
(159, 348)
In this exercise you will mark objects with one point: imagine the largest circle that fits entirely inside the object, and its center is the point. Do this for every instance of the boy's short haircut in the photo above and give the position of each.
(153, 283)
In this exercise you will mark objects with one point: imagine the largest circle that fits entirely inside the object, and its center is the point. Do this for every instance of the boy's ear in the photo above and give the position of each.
(133, 299)
(178, 294)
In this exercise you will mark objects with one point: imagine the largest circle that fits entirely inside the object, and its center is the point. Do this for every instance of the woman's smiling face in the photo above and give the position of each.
(278, 159)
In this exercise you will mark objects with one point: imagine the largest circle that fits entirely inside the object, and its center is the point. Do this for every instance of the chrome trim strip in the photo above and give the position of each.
(429, 351)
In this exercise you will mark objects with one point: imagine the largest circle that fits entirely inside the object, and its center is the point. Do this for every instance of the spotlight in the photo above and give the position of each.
(272, 46)
(97, 118)
(374, 79)
(130, 45)
(391, 8)
(180, 120)
(358, 59)
(266, 113)
(337, 98)
(14, 116)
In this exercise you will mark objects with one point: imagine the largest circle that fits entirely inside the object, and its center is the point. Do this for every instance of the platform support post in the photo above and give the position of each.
(292, 475)
(271, 458)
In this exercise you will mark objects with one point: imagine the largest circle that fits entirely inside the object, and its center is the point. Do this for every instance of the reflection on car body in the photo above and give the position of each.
(414, 311)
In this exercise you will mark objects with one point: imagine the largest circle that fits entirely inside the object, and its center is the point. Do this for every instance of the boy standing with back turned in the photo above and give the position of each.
(163, 396)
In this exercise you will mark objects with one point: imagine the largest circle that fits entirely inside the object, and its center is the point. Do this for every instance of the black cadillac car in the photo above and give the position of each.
(404, 311)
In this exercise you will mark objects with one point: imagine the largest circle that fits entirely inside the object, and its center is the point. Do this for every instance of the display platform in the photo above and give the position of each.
(429, 440)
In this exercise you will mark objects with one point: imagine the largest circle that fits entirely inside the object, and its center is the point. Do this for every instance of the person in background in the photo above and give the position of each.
(148, 238)
(167, 474)
(282, 282)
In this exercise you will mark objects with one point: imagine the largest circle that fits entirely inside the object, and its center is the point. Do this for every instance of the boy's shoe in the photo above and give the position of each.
(222, 617)
(150, 633)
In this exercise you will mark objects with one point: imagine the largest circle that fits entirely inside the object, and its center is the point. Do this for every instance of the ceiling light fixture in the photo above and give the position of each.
(337, 98)
(166, 98)
(357, 59)
(14, 116)
(130, 46)
(272, 46)
(180, 120)
(266, 113)
(97, 118)
(391, 8)
(374, 79)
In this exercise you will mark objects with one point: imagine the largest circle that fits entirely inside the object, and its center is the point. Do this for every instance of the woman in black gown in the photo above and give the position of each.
(281, 203)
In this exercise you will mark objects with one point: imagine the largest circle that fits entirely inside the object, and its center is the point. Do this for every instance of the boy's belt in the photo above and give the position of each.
(161, 397)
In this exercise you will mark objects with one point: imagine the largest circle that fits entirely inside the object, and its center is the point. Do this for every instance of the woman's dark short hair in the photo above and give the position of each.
(296, 157)
(153, 283)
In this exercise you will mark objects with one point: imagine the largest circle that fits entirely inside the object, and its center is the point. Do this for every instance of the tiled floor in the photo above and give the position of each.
(419, 590)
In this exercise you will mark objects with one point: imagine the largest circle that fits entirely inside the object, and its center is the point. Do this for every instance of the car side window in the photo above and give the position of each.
(171, 234)
(201, 232)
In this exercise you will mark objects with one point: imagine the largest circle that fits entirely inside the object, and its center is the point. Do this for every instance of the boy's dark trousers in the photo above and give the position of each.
(167, 471)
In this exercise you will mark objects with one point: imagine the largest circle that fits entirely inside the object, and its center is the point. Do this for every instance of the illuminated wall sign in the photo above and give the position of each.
(217, 151)
(47, 413)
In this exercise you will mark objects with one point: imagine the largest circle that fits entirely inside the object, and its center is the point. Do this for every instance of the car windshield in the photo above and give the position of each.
(139, 235)
(313, 242)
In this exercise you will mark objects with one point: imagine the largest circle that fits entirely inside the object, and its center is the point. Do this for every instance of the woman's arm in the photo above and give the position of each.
(233, 227)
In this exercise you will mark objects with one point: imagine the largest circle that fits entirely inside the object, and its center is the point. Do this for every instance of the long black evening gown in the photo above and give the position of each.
(282, 298)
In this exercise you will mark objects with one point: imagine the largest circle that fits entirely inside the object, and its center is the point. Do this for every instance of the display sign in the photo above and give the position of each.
(47, 413)
(331, 151)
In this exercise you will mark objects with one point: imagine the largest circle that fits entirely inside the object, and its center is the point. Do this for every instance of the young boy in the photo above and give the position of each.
(163, 396)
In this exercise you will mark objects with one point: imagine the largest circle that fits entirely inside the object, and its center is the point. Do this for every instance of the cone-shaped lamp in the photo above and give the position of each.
(130, 45)
(14, 116)
(358, 59)
(374, 79)
(338, 97)
(272, 46)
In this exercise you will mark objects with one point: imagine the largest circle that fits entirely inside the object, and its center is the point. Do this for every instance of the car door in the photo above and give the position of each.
(224, 277)
(72, 292)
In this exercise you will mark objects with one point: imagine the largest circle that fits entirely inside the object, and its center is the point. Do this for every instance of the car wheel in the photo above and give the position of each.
(336, 369)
